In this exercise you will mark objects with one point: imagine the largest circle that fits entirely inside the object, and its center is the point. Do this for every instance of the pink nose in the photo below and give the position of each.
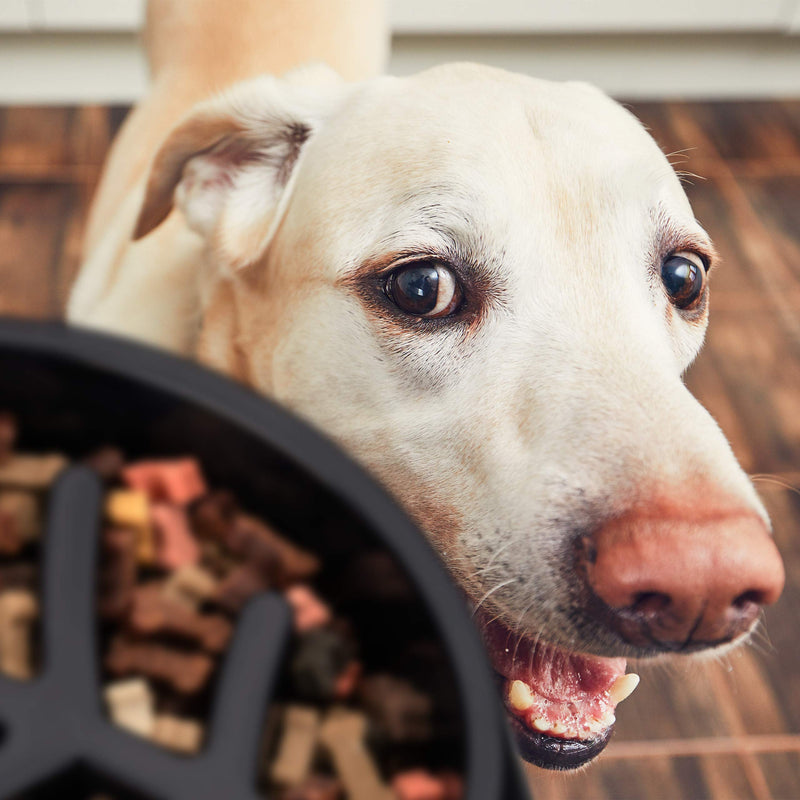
(682, 583)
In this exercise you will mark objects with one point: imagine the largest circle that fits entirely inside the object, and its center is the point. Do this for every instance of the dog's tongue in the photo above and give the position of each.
(555, 692)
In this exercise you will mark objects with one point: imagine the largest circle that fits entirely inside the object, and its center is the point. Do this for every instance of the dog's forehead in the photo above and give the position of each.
(485, 148)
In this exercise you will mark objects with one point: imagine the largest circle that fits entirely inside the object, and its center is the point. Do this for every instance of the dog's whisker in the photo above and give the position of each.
(777, 480)
(491, 591)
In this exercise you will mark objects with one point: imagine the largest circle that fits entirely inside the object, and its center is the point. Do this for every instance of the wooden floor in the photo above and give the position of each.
(725, 730)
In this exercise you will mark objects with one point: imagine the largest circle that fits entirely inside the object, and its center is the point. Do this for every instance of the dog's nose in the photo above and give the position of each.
(682, 583)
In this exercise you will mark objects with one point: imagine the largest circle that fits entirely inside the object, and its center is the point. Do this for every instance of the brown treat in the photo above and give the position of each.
(309, 611)
(19, 576)
(185, 672)
(315, 787)
(347, 681)
(182, 735)
(11, 542)
(18, 610)
(418, 784)
(31, 472)
(130, 705)
(212, 515)
(190, 586)
(241, 584)
(215, 558)
(259, 544)
(176, 481)
(153, 613)
(21, 510)
(8, 435)
(396, 708)
(130, 509)
(118, 572)
(176, 545)
(342, 734)
(298, 742)
(107, 462)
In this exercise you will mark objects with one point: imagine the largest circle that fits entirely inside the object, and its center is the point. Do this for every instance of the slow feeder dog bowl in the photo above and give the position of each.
(73, 391)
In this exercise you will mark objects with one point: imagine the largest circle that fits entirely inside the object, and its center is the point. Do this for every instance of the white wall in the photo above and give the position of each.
(65, 51)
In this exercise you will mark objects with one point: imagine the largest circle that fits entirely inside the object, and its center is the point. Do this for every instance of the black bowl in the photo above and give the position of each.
(73, 391)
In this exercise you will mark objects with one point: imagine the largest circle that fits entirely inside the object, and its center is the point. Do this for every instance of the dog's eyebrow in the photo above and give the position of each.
(674, 236)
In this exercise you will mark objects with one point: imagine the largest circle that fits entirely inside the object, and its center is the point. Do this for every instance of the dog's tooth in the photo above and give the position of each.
(623, 687)
(595, 725)
(608, 719)
(559, 727)
(541, 724)
(520, 696)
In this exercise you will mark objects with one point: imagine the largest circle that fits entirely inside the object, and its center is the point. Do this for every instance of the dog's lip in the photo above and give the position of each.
(560, 703)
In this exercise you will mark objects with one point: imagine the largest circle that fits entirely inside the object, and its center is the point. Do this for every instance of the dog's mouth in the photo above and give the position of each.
(561, 704)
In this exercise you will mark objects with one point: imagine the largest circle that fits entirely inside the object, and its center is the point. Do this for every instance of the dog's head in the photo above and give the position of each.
(487, 288)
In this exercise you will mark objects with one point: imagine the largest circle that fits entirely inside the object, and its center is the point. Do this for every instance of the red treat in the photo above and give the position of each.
(8, 434)
(308, 609)
(418, 784)
(179, 481)
(176, 546)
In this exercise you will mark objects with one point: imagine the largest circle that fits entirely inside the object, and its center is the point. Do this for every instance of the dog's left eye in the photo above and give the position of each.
(424, 289)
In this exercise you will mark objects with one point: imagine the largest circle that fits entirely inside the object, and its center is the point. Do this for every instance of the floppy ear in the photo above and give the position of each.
(230, 164)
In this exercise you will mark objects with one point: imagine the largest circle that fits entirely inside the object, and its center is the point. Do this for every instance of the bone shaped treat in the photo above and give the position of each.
(176, 546)
(118, 572)
(131, 509)
(185, 672)
(130, 704)
(298, 742)
(153, 613)
(18, 610)
(31, 472)
(342, 734)
(176, 733)
(20, 521)
(178, 481)
(190, 585)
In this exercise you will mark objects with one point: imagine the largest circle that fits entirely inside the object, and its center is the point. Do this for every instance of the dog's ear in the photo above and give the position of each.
(230, 164)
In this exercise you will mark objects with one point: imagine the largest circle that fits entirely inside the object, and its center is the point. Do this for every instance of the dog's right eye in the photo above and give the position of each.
(424, 289)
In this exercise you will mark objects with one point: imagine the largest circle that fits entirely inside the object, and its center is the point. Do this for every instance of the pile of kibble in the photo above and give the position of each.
(179, 560)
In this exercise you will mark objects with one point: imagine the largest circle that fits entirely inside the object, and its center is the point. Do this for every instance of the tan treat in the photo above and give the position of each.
(22, 509)
(190, 585)
(186, 672)
(183, 735)
(130, 705)
(31, 472)
(130, 509)
(342, 734)
(153, 613)
(177, 481)
(18, 609)
(292, 763)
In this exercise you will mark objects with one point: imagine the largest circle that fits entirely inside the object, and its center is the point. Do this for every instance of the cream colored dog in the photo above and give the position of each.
(486, 288)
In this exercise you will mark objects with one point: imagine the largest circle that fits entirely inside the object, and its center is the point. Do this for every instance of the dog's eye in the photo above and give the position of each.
(424, 288)
(684, 278)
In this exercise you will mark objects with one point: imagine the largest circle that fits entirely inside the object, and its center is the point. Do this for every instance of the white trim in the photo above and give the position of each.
(109, 68)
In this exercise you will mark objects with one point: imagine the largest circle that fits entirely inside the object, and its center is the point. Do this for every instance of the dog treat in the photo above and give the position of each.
(342, 734)
(130, 509)
(179, 481)
(8, 435)
(292, 763)
(315, 787)
(190, 585)
(130, 705)
(178, 562)
(182, 735)
(18, 610)
(118, 572)
(155, 613)
(19, 515)
(185, 672)
(176, 545)
(31, 472)
(308, 610)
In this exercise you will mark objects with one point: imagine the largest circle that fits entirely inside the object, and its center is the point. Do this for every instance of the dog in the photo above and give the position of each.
(486, 288)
